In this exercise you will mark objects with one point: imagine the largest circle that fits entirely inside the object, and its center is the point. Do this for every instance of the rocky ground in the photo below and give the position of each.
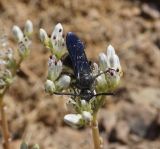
(131, 119)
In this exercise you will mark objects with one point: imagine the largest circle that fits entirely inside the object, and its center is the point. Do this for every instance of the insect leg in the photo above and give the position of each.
(70, 94)
(108, 70)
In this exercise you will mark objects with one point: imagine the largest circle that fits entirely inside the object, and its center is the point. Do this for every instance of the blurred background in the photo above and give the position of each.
(131, 119)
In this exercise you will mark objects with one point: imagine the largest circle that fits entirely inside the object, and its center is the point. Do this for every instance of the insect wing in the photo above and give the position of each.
(78, 57)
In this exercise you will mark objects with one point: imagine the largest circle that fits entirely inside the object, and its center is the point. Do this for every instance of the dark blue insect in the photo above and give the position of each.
(82, 70)
(81, 66)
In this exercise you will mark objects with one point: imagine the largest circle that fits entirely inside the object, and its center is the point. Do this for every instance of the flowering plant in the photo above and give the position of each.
(107, 74)
(9, 64)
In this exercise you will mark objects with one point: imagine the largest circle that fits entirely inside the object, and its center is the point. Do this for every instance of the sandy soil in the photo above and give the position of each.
(131, 119)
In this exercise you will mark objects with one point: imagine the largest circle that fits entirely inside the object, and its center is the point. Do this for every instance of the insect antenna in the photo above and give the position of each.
(104, 94)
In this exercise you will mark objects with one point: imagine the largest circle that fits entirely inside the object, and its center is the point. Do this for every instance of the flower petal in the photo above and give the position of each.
(43, 35)
(87, 116)
(73, 119)
(63, 82)
(55, 68)
(28, 29)
(17, 32)
(103, 61)
(57, 40)
(110, 51)
(49, 86)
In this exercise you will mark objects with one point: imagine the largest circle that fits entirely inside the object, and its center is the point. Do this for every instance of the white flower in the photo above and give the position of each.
(9, 53)
(112, 79)
(112, 58)
(87, 116)
(28, 29)
(17, 32)
(110, 51)
(7, 74)
(2, 62)
(23, 47)
(43, 35)
(103, 61)
(73, 120)
(117, 64)
(3, 39)
(55, 68)
(111, 70)
(57, 40)
(95, 69)
(58, 31)
(63, 82)
(101, 82)
(2, 54)
(83, 102)
(49, 86)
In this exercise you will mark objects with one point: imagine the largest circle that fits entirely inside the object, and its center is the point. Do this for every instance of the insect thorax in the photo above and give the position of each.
(85, 81)
(86, 94)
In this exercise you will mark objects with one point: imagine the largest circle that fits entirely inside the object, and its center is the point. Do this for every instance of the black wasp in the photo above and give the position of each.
(85, 80)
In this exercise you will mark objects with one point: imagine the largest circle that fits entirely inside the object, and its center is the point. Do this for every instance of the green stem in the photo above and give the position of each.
(95, 133)
(4, 125)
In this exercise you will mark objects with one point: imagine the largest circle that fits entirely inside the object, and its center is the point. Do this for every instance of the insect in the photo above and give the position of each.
(85, 81)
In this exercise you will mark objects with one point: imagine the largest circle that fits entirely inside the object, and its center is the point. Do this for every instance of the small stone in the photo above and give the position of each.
(122, 131)
(150, 11)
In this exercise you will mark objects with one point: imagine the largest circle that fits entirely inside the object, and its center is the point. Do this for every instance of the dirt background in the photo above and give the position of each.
(131, 119)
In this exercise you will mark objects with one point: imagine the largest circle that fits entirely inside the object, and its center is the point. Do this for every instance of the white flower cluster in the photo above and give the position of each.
(83, 113)
(107, 76)
(23, 38)
(8, 63)
(56, 44)
(109, 64)
(56, 81)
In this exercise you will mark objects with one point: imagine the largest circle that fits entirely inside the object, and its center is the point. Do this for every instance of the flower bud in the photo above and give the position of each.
(116, 64)
(7, 76)
(3, 39)
(9, 53)
(95, 69)
(101, 83)
(112, 79)
(58, 30)
(24, 47)
(49, 86)
(73, 120)
(103, 61)
(87, 116)
(43, 36)
(112, 58)
(83, 102)
(57, 40)
(110, 51)
(28, 29)
(55, 68)
(2, 62)
(63, 82)
(17, 32)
